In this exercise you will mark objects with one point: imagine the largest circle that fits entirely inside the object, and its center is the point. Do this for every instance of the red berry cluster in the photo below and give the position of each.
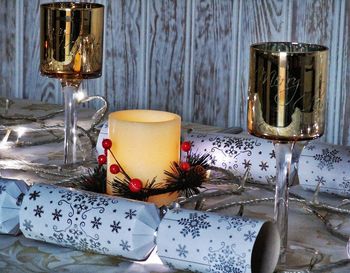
(135, 184)
(185, 147)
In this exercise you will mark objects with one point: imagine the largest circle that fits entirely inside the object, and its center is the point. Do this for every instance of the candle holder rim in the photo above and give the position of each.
(71, 6)
(312, 48)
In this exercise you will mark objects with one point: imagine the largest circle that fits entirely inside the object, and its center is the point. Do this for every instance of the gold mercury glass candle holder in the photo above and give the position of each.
(286, 103)
(71, 49)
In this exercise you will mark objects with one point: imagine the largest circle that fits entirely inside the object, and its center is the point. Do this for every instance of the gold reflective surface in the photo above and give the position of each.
(71, 40)
(287, 89)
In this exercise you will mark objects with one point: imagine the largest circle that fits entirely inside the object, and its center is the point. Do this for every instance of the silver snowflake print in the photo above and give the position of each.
(38, 211)
(2, 188)
(224, 260)
(182, 251)
(271, 179)
(217, 142)
(75, 232)
(70, 239)
(225, 266)
(80, 207)
(59, 237)
(57, 214)
(263, 166)
(129, 214)
(96, 222)
(231, 151)
(246, 164)
(212, 160)
(193, 224)
(320, 180)
(345, 184)
(125, 245)
(115, 226)
(68, 195)
(28, 225)
(248, 144)
(102, 202)
(83, 244)
(237, 222)
(34, 195)
(92, 199)
(227, 250)
(250, 236)
(327, 159)
(94, 244)
(170, 265)
(310, 147)
(241, 144)
(79, 198)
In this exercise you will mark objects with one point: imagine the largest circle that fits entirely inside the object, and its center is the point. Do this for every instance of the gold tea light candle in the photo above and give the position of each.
(145, 143)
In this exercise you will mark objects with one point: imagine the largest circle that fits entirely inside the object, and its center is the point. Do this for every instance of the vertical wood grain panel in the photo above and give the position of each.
(318, 21)
(187, 99)
(19, 49)
(261, 21)
(35, 86)
(234, 111)
(166, 54)
(212, 59)
(122, 53)
(8, 48)
(345, 76)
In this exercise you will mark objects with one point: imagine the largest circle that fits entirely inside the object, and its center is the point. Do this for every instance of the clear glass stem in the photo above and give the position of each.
(287, 158)
(70, 124)
(296, 152)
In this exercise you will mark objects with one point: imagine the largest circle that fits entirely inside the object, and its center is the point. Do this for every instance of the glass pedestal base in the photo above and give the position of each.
(298, 257)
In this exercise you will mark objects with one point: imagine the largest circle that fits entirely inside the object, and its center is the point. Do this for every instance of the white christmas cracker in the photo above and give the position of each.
(11, 196)
(186, 239)
(89, 221)
(209, 242)
(319, 162)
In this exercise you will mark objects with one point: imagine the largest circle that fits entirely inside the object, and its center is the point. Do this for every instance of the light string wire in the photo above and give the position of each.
(64, 175)
(68, 176)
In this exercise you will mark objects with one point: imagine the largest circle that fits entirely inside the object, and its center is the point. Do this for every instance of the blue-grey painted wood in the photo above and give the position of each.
(323, 22)
(212, 56)
(189, 57)
(7, 48)
(124, 65)
(345, 78)
(166, 51)
(18, 92)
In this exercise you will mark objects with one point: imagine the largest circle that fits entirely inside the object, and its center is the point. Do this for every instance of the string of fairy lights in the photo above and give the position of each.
(15, 127)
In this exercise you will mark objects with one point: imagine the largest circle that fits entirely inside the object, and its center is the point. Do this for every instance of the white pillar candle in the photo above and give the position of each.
(145, 143)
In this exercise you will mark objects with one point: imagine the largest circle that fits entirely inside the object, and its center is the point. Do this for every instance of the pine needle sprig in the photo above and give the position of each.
(120, 187)
(197, 159)
(185, 177)
(188, 182)
(94, 181)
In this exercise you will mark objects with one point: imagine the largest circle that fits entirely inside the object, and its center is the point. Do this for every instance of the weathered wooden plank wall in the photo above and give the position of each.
(189, 57)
